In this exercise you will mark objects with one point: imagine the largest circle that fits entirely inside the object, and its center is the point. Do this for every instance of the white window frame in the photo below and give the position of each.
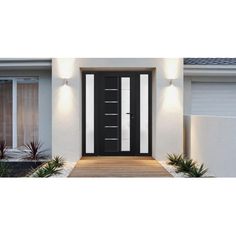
(16, 80)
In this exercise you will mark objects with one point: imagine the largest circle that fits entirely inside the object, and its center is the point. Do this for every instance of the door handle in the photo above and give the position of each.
(131, 115)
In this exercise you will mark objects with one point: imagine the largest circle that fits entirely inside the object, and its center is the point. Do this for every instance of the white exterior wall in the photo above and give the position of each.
(213, 142)
(67, 107)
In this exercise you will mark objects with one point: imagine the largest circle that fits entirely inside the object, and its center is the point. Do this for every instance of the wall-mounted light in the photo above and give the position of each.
(172, 69)
(65, 81)
(170, 82)
(65, 69)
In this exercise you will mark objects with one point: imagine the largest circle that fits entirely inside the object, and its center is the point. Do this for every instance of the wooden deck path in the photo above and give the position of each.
(114, 166)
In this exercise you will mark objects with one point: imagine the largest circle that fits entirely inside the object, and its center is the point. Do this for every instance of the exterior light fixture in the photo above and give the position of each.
(65, 81)
(65, 69)
(170, 81)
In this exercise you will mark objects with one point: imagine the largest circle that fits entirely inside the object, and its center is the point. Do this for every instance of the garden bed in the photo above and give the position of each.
(20, 169)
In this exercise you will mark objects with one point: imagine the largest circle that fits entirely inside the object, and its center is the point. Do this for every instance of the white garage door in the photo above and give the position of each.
(214, 98)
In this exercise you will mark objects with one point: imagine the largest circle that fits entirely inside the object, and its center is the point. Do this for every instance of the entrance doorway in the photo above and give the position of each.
(117, 113)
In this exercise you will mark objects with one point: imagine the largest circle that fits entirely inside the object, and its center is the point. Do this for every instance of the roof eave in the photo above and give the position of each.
(210, 70)
(25, 63)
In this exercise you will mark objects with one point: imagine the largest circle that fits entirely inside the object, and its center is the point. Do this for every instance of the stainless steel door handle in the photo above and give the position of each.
(131, 115)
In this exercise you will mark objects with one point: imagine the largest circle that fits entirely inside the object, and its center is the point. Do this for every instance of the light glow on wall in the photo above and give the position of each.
(65, 67)
(65, 99)
(171, 68)
(171, 99)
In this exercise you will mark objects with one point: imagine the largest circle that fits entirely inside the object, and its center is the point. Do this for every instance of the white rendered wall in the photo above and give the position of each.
(213, 142)
(167, 102)
(66, 113)
(168, 108)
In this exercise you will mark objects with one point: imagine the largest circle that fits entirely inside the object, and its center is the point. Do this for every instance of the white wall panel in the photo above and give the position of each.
(213, 143)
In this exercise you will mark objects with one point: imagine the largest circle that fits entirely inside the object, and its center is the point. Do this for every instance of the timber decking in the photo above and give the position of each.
(119, 166)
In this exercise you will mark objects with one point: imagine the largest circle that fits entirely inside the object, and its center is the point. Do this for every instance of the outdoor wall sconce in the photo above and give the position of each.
(65, 69)
(170, 81)
(65, 81)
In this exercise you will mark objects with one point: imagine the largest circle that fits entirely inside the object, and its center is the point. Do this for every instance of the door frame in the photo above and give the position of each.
(136, 74)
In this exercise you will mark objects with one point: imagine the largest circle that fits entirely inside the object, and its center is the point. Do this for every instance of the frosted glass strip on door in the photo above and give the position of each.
(125, 114)
(89, 123)
(144, 113)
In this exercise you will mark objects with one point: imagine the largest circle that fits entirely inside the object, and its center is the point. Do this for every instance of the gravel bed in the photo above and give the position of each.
(66, 170)
(171, 169)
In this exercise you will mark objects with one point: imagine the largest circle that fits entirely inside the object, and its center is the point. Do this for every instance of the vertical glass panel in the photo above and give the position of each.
(125, 114)
(6, 112)
(89, 107)
(144, 113)
(27, 112)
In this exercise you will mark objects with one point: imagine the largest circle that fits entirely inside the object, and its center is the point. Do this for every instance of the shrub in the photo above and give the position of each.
(34, 151)
(4, 170)
(185, 166)
(174, 159)
(53, 167)
(58, 161)
(48, 170)
(197, 171)
(3, 149)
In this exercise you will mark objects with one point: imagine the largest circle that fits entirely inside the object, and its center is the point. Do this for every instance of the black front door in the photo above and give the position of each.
(117, 129)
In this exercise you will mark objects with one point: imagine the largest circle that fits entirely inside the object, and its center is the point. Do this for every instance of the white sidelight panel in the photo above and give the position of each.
(89, 107)
(144, 113)
(125, 114)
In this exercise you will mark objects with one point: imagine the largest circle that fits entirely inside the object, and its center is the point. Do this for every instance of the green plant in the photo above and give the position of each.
(33, 150)
(58, 161)
(175, 159)
(48, 170)
(197, 171)
(3, 149)
(4, 169)
(185, 166)
(53, 167)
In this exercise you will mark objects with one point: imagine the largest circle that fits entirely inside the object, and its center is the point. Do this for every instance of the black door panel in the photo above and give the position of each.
(108, 113)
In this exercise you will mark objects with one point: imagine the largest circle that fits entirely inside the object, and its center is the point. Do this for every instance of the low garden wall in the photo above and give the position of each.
(212, 140)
